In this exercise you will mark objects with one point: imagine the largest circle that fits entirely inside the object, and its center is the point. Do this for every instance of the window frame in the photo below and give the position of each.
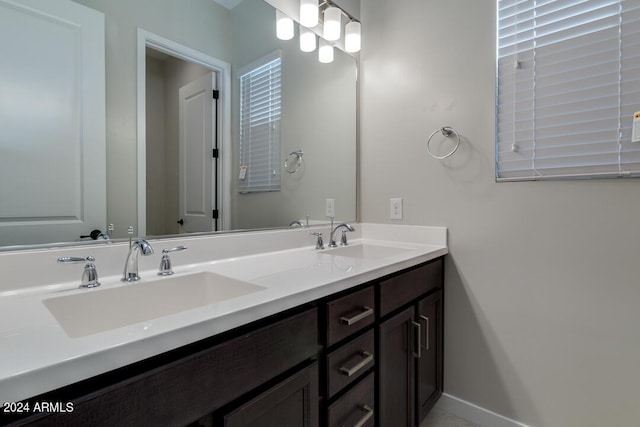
(268, 179)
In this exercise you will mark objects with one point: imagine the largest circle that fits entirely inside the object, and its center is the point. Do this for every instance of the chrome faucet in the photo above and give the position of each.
(89, 274)
(131, 266)
(343, 241)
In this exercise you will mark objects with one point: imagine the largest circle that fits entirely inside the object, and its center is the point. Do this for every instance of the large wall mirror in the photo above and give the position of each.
(161, 186)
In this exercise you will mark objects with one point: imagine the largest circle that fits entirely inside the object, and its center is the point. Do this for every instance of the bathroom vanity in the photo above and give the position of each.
(345, 336)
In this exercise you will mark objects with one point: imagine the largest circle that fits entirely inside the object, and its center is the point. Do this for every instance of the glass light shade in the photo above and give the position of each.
(309, 13)
(284, 26)
(307, 40)
(352, 37)
(325, 53)
(332, 23)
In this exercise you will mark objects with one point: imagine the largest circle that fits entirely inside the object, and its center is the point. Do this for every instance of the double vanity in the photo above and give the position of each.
(253, 328)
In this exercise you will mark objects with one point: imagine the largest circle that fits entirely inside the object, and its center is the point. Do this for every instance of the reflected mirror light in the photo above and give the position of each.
(307, 40)
(284, 26)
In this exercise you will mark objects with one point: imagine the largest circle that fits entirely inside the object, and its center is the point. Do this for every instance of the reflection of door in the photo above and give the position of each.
(197, 162)
(52, 121)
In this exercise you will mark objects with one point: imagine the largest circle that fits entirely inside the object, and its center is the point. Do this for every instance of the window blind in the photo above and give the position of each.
(260, 111)
(568, 84)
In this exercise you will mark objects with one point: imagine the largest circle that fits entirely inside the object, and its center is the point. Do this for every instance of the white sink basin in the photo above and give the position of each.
(365, 251)
(100, 310)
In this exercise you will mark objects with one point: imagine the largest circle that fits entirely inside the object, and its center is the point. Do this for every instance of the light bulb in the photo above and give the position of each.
(352, 37)
(307, 40)
(332, 23)
(284, 26)
(325, 53)
(309, 13)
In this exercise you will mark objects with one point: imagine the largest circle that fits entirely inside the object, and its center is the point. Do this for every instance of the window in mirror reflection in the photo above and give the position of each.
(260, 111)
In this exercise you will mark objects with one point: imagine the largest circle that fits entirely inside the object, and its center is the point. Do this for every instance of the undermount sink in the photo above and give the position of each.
(100, 310)
(365, 251)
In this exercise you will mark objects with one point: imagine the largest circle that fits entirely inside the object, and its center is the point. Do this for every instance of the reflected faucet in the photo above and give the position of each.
(131, 266)
(343, 242)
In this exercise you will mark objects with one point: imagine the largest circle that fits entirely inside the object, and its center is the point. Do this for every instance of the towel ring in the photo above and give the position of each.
(446, 131)
(298, 161)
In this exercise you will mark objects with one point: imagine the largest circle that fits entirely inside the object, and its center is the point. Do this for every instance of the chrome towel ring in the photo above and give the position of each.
(295, 158)
(446, 131)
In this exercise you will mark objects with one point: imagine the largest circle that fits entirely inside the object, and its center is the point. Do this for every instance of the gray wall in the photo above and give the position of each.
(542, 283)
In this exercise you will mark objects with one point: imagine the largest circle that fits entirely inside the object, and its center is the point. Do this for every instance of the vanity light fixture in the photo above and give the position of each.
(284, 26)
(352, 37)
(331, 29)
(309, 13)
(325, 52)
(307, 39)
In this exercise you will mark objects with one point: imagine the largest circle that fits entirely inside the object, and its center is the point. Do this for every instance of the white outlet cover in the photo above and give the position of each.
(330, 207)
(395, 208)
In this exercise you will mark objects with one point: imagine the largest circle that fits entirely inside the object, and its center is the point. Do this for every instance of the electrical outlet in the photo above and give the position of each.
(330, 207)
(395, 208)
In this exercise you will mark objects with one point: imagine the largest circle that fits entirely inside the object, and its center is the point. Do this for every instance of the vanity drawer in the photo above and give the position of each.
(350, 314)
(406, 287)
(355, 407)
(349, 362)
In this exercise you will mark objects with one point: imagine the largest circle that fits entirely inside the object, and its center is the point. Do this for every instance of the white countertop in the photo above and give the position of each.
(37, 355)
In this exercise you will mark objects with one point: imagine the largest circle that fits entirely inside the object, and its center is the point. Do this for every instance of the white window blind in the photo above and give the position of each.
(260, 99)
(568, 86)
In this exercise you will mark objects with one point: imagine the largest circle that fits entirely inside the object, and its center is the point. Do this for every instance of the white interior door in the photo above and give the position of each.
(52, 121)
(197, 165)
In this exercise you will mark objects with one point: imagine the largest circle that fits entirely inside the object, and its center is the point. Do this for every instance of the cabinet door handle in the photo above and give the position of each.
(426, 332)
(368, 357)
(367, 416)
(368, 311)
(418, 338)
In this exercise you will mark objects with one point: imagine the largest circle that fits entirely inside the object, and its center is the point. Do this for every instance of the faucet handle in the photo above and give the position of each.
(89, 274)
(343, 239)
(165, 262)
(319, 242)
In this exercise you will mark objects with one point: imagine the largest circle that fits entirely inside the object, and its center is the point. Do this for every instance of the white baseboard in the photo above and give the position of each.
(474, 413)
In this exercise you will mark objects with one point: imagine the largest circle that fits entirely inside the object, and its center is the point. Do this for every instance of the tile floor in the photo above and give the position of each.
(439, 418)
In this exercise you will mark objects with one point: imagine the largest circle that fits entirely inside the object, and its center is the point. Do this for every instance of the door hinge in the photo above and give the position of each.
(216, 153)
(216, 94)
(215, 213)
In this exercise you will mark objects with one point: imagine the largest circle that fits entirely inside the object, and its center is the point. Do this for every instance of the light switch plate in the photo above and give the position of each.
(395, 208)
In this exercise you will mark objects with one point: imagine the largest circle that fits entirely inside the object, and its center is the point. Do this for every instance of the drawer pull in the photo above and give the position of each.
(368, 311)
(368, 357)
(426, 332)
(367, 416)
(418, 336)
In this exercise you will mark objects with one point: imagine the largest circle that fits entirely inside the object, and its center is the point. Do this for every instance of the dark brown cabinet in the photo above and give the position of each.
(397, 370)
(291, 403)
(356, 408)
(178, 392)
(410, 346)
(430, 363)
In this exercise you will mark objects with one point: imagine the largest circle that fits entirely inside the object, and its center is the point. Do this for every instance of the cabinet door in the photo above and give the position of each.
(291, 403)
(429, 364)
(396, 370)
